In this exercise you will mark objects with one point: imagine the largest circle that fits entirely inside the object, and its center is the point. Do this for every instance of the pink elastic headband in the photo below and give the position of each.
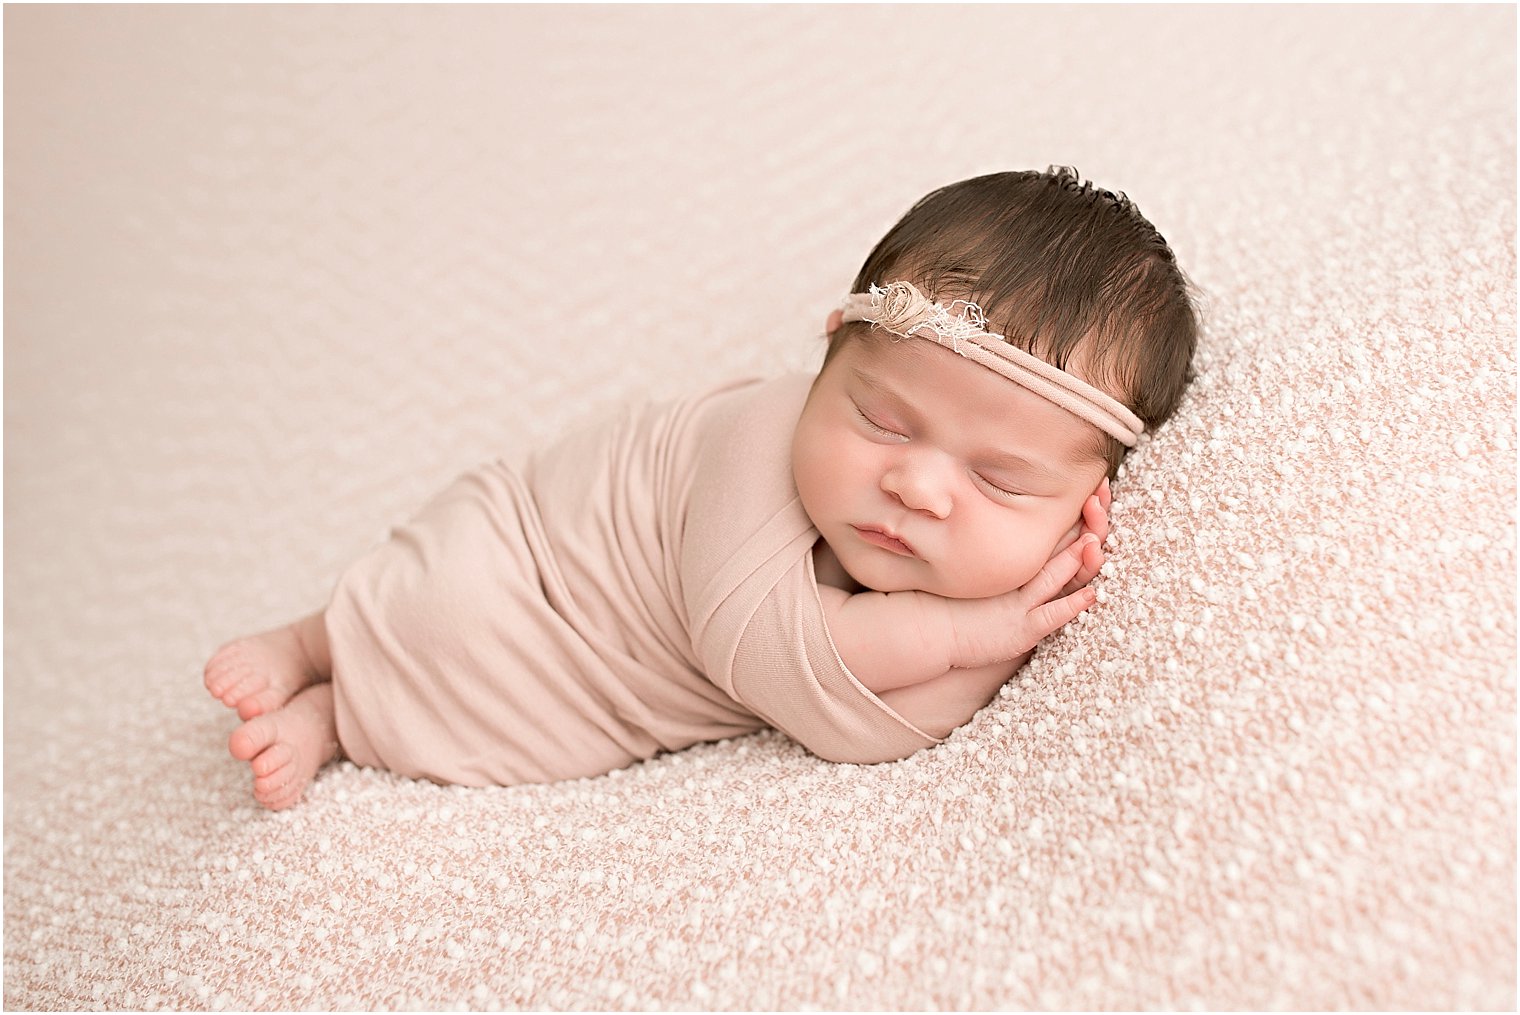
(901, 309)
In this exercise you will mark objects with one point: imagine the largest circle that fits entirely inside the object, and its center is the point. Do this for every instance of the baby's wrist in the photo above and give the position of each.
(982, 631)
(940, 628)
(936, 618)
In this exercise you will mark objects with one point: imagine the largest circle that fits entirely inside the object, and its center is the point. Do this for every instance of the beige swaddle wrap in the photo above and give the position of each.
(643, 586)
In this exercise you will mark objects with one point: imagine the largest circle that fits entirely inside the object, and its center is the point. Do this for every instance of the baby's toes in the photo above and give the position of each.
(288, 798)
(280, 789)
(264, 700)
(272, 759)
(253, 737)
(273, 770)
(232, 676)
(274, 782)
(223, 670)
(249, 683)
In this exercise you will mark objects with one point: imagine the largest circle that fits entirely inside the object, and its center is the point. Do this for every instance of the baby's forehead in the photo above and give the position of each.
(990, 409)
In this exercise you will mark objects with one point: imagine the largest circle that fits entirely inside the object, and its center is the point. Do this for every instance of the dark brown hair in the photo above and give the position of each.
(1059, 267)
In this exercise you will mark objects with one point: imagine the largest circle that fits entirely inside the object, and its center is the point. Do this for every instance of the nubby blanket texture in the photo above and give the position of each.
(276, 276)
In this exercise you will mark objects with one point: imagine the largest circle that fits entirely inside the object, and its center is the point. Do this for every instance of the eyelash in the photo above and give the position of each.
(997, 489)
(868, 421)
(878, 427)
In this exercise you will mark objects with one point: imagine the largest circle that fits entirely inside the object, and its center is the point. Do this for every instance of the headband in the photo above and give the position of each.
(901, 309)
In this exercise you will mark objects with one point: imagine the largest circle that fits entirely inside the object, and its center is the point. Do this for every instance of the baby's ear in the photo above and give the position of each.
(834, 323)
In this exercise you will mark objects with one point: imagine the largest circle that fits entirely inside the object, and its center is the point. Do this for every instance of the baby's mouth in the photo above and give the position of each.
(884, 539)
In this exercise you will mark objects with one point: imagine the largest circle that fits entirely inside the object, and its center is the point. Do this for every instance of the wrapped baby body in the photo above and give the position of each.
(641, 587)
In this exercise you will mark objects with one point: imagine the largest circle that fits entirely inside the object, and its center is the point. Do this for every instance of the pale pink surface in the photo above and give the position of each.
(274, 276)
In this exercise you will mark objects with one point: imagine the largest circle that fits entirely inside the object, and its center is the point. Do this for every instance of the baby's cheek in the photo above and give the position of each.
(1003, 573)
(1028, 567)
(1032, 555)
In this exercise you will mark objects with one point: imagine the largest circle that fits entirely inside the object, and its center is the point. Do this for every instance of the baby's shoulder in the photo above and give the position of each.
(740, 466)
(753, 409)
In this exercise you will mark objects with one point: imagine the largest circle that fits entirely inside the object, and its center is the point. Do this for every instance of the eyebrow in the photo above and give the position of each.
(995, 459)
(876, 384)
(1016, 462)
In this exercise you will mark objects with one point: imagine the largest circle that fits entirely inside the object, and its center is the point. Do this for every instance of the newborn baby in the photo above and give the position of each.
(860, 558)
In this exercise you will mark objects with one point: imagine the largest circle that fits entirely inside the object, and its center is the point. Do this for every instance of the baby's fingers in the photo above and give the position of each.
(1050, 618)
(1057, 571)
(1072, 535)
(1092, 563)
(1095, 514)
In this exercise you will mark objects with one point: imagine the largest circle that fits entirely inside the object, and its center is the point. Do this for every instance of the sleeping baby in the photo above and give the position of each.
(858, 558)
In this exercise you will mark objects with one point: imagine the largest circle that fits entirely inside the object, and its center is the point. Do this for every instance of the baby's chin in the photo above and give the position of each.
(980, 591)
(949, 587)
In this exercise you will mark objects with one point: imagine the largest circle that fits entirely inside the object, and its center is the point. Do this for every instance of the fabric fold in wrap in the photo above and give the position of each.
(644, 585)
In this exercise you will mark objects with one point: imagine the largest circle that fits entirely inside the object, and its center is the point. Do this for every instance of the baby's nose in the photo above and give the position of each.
(918, 488)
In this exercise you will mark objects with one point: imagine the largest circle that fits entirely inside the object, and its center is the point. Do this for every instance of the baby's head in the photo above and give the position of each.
(987, 471)
(1071, 273)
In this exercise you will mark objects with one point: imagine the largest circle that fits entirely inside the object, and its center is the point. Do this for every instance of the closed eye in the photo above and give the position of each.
(877, 427)
(997, 490)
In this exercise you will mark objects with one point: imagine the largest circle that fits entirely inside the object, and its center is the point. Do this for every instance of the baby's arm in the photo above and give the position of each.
(938, 706)
(897, 642)
(891, 640)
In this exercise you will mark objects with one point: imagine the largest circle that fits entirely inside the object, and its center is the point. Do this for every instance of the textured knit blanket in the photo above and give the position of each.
(275, 275)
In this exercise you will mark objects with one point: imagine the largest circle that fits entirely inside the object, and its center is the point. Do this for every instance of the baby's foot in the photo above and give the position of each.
(286, 747)
(260, 673)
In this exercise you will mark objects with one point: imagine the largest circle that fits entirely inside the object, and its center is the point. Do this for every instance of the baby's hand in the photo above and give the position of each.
(1094, 520)
(1007, 627)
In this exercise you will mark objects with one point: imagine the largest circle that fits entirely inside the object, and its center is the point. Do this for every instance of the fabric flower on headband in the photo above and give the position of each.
(900, 308)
